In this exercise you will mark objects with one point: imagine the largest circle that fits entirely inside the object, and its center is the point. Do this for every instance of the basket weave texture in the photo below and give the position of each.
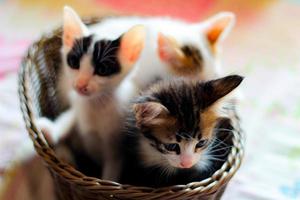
(37, 83)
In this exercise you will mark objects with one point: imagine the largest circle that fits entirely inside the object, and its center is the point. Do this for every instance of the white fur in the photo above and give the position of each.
(98, 115)
(57, 129)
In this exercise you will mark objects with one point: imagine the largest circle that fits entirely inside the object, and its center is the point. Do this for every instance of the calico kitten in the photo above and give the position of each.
(174, 48)
(178, 132)
(93, 68)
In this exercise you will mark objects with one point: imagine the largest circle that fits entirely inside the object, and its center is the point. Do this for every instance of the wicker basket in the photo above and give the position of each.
(37, 83)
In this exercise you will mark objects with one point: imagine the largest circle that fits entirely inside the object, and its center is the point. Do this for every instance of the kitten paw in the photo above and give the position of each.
(47, 127)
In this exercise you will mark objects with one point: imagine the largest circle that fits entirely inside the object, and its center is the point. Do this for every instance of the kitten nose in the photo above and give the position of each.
(186, 162)
(82, 89)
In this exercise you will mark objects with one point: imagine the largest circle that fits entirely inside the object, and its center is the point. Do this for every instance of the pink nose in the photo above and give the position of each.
(82, 89)
(82, 83)
(186, 162)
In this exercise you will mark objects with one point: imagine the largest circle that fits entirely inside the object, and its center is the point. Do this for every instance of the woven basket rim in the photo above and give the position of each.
(207, 186)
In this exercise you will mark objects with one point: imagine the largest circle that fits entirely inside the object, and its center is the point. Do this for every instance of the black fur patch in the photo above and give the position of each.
(79, 48)
(105, 57)
(194, 54)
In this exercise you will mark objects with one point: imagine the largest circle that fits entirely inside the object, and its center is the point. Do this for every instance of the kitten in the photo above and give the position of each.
(93, 67)
(178, 132)
(173, 48)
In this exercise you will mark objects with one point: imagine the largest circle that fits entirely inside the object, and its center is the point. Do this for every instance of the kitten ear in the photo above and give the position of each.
(218, 88)
(73, 27)
(149, 113)
(132, 44)
(168, 49)
(217, 27)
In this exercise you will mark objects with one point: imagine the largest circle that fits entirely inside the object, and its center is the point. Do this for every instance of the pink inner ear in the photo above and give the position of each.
(150, 112)
(214, 33)
(130, 52)
(168, 50)
(68, 40)
(132, 44)
(163, 54)
(162, 47)
(70, 34)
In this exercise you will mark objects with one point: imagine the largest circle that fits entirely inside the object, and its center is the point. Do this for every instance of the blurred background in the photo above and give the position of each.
(264, 46)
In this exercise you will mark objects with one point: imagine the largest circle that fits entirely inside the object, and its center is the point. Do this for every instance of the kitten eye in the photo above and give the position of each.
(103, 70)
(201, 143)
(73, 61)
(172, 147)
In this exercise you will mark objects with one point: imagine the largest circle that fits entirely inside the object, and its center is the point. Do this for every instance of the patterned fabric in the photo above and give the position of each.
(264, 47)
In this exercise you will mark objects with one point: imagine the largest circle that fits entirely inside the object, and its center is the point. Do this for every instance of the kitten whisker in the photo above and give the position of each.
(223, 129)
(108, 48)
(219, 142)
(223, 154)
(109, 51)
(108, 57)
(216, 159)
(218, 147)
(226, 138)
(229, 147)
(164, 173)
(222, 141)
(111, 61)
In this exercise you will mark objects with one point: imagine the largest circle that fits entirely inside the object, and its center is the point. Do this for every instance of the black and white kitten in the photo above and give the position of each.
(177, 132)
(93, 67)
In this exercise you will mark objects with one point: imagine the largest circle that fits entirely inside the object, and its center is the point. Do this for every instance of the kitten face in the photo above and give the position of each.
(178, 118)
(95, 66)
(193, 53)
